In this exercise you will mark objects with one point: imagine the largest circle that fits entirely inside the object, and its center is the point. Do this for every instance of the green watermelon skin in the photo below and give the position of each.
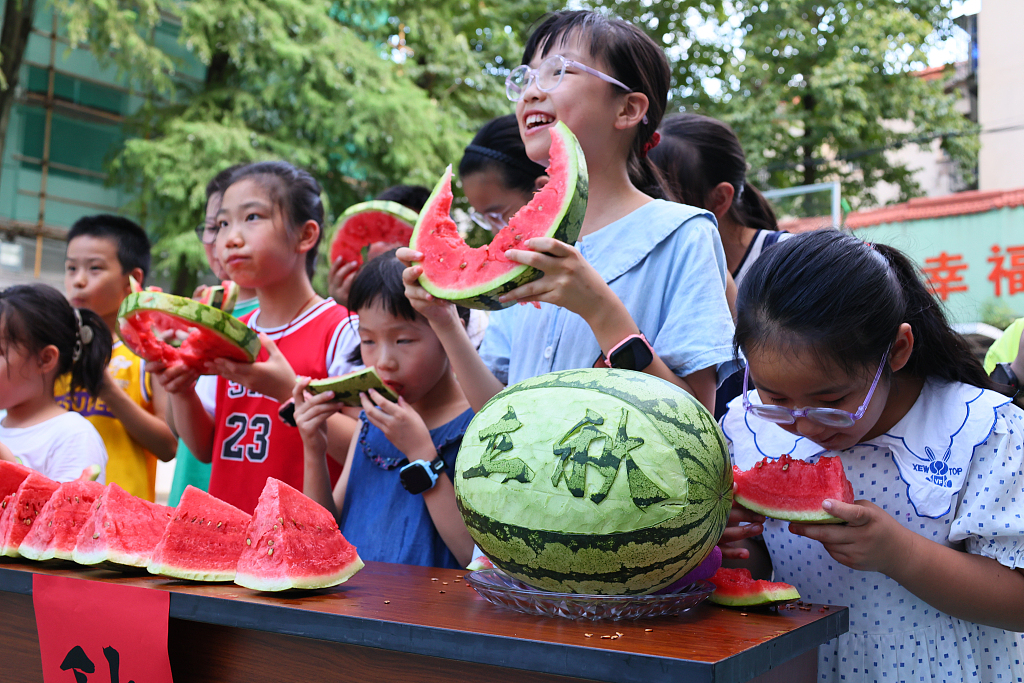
(203, 540)
(293, 542)
(737, 588)
(347, 388)
(665, 510)
(55, 531)
(793, 490)
(20, 510)
(389, 222)
(121, 530)
(216, 333)
(565, 228)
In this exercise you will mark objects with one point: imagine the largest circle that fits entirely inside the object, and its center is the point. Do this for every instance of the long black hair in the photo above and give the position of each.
(499, 145)
(846, 300)
(696, 154)
(35, 316)
(633, 58)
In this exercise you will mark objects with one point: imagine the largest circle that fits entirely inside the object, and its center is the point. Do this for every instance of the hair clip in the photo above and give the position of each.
(651, 144)
(84, 331)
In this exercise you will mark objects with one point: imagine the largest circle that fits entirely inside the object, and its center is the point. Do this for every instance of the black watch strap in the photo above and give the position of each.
(437, 465)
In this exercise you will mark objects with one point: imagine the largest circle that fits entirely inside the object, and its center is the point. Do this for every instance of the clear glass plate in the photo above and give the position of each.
(502, 590)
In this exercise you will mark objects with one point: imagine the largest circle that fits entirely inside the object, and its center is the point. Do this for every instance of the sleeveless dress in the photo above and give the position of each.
(952, 470)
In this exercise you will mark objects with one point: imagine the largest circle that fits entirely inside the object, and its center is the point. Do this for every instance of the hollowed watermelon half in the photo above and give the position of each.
(173, 329)
(793, 490)
(369, 223)
(121, 529)
(737, 588)
(56, 529)
(203, 540)
(475, 278)
(594, 481)
(20, 510)
(292, 542)
(222, 296)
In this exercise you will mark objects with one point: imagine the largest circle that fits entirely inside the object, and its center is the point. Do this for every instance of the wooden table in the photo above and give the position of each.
(396, 623)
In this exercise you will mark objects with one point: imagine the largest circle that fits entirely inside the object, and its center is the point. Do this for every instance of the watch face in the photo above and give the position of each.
(415, 478)
(633, 355)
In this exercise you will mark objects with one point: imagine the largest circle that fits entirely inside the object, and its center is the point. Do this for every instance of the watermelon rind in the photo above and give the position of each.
(614, 547)
(21, 509)
(122, 530)
(565, 228)
(393, 209)
(805, 517)
(211, 319)
(347, 387)
(746, 487)
(737, 588)
(55, 530)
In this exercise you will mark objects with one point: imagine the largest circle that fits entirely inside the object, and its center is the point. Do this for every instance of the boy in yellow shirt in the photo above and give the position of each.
(103, 251)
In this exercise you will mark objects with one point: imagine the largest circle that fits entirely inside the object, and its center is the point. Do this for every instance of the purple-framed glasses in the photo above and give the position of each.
(828, 417)
(549, 76)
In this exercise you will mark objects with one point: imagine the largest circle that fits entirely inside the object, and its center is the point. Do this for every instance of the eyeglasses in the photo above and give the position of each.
(828, 417)
(492, 220)
(548, 76)
(206, 234)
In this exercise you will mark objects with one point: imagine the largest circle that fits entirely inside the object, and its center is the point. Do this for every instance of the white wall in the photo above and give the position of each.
(1001, 94)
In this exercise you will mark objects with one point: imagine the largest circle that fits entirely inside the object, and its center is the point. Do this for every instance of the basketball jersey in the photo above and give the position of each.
(250, 441)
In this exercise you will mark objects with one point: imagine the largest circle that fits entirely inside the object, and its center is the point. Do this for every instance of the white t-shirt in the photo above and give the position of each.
(59, 448)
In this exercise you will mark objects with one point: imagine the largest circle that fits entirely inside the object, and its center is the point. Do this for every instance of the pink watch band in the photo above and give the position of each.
(611, 352)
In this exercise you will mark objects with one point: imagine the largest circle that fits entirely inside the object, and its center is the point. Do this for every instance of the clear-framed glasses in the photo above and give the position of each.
(549, 76)
(491, 220)
(206, 234)
(828, 417)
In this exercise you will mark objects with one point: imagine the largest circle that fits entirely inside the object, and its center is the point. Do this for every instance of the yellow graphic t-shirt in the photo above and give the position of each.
(128, 463)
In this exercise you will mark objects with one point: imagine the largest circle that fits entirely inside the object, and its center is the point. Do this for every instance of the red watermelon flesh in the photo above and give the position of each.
(293, 542)
(121, 529)
(203, 540)
(380, 223)
(11, 476)
(793, 490)
(53, 534)
(20, 510)
(737, 588)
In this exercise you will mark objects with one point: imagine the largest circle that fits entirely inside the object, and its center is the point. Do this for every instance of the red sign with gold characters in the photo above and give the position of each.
(93, 632)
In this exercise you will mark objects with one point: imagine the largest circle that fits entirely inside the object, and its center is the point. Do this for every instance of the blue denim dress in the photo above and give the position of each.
(381, 519)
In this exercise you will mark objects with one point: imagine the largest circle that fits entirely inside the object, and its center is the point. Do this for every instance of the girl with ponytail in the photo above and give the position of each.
(645, 272)
(849, 355)
(42, 338)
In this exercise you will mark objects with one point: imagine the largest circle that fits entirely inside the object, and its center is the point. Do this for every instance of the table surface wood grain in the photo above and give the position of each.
(434, 613)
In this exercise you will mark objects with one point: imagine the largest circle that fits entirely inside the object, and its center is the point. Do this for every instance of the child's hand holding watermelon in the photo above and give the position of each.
(271, 377)
(870, 541)
(438, 312)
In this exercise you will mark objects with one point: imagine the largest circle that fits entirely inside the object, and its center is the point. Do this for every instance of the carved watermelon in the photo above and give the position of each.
(368, 223)
(737, 588)
(793, 490)
(475, 278)
(347, 388)
(222, 296)
(20, 510)
(173, 329)
(122, 529)
(56, 529)
(594, 481)
(203, 540)
(292, 542)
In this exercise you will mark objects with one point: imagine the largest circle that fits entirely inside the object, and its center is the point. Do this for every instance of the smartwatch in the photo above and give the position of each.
(1004, 375)
(632, 353)
(420, 475)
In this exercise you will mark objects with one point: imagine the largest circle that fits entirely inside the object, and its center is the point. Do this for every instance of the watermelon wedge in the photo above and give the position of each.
(121, 529)
(475, 278)
(173, 329)
(222, 296)
(793, 490)
(292, 542)
(367, 223)
(737, 588)
(203, 540)
(347, 388)
(20, 510)
(56, 529)
(90, 473)
(11, 476)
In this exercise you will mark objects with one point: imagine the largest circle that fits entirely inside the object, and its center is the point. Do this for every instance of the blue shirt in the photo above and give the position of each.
(665, 262)
(381, 519)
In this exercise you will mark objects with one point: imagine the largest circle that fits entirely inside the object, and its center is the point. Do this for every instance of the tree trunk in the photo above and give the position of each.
(18, 16)
(810, 166)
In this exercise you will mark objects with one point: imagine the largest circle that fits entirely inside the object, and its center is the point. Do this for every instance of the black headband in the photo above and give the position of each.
(528, 167)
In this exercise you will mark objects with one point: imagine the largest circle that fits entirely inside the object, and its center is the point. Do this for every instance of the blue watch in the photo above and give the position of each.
(420, 476)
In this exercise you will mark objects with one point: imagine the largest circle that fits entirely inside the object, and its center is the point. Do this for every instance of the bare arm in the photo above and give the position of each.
(148, 429)
(312, 416)
(184, 409)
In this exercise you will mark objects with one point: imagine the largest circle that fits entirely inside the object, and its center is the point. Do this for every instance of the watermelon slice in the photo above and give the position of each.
(737, 588)
(475, 278)
(346, 388)
(793, 490)
(367, 223)
(90, 473)
(53, 534)
(173, 330)
(203, 540)
(222, 296)
(11, 476)
(121, 529)
(292, 542)
(20, 510)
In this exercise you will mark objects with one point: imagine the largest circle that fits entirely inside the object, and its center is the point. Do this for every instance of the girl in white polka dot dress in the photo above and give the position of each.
(849, 355)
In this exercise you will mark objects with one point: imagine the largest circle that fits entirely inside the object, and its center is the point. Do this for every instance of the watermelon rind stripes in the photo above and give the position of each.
(399, 211)
(347, 388)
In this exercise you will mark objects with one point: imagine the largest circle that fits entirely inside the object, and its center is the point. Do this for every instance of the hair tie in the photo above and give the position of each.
(84, 336)
(651, 144)
(524, 166)
(739, 190)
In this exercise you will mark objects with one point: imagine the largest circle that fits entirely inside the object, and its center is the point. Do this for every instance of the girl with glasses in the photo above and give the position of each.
(646, 275)
(849, 353)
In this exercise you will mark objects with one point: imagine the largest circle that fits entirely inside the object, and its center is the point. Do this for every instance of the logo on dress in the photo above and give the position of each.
(937, 469)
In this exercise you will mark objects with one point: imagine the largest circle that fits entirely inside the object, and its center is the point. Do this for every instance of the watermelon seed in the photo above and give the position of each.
(275, 526)
(248, 541)
(442, 592)
(619, 634)
(3, 505)
(28, 520)
(281, 520)
(195, 518)
(387, 602)
(518, 238)
(76, 499)
(648, 630)
(614, 637)
(218, 524)
(444, 583)
(434, 579)
(743, 614)
(605, 637)
(50, 523)
(458, 576)
(587, 635)
(270, 552)
(785, 467)
(106, 524)
(271, 542)
(441, 259)
(760, 463)
(463, 265)
(95, 535)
